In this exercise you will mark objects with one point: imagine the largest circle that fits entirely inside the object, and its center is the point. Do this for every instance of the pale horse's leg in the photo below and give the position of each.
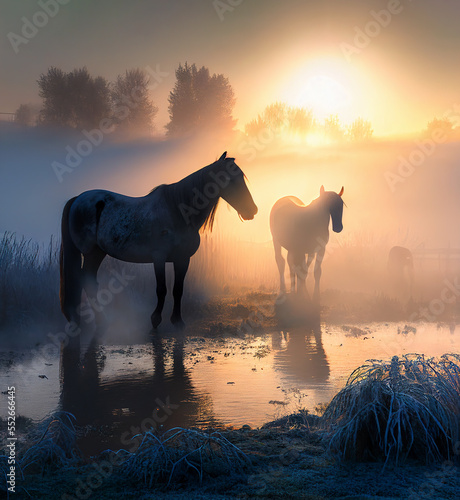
(281, 265)
(302, 274)
(292, 269)
(318, 262)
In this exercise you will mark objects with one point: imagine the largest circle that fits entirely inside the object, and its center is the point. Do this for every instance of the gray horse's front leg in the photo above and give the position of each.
(180, 270)
(161, 292)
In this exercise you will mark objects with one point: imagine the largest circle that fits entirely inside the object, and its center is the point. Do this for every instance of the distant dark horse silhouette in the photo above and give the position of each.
(304, 230)
(401, 270)
(160, 227)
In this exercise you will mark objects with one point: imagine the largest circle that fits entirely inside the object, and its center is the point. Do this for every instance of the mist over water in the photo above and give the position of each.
(418, 209)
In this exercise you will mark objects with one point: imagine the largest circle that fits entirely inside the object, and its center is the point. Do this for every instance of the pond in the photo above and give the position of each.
(192, 380)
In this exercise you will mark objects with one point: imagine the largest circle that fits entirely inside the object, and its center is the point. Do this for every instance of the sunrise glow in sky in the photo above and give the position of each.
(393, 63)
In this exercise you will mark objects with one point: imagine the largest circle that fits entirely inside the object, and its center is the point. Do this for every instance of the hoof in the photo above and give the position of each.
(178, 323)
(156, 320)
(303, 293)
(281, 298)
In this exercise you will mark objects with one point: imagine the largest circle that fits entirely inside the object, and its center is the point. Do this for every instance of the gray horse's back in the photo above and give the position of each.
(112, 222)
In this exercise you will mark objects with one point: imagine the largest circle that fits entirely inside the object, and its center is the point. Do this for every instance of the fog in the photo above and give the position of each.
(388, 201)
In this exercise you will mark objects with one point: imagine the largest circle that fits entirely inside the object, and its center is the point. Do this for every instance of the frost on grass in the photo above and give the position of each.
(55, 445)
(181, 454)
(406, 408)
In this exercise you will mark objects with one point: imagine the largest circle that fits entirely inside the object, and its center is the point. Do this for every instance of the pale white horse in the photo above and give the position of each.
(161, 227)
(304, 230)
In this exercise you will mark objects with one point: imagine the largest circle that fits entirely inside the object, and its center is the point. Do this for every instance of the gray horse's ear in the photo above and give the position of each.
(321, 190)
(223, 156)
(341, 192)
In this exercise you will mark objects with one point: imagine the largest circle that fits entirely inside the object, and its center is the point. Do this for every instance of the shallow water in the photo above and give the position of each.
(194, 381)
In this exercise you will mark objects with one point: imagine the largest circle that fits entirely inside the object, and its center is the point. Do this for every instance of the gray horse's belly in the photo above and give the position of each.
(131, 233)
(139, 237)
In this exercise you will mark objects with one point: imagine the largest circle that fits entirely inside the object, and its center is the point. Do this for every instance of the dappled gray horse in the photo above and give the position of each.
(304, 230)
(161, 227)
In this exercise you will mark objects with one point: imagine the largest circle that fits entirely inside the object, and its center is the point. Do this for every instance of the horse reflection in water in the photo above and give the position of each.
(161, 398)
(300, 354)
(304, 230)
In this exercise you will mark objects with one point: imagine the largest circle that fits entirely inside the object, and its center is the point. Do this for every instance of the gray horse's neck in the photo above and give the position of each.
(196, 197)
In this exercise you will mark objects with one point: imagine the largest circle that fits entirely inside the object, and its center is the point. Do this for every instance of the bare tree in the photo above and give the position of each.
(279, 117)
(74, 99)
(254, 127)
(439, 126)
(275, 116)
(53, 89)
(26, 115)
(333, 129)
(360, 130)
(133, 109)
(300, 120)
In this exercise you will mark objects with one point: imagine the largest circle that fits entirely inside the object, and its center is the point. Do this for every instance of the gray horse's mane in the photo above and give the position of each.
(179, 192)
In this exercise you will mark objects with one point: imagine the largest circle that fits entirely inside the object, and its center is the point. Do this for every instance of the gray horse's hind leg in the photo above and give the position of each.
(91, 263)
(180, 270)
(161, 292)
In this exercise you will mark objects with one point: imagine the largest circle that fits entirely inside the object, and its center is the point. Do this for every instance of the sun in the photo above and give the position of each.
(319, 87)
(324, 95)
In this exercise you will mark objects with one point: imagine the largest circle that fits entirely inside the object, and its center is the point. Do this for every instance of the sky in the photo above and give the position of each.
(393, 62)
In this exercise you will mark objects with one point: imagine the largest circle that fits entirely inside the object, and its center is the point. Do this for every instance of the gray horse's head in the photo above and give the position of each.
(231, 179)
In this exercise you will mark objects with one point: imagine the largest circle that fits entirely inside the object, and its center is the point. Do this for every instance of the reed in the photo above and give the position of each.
(29, 280)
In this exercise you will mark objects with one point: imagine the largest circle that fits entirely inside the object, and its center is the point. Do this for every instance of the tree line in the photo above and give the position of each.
(297, 121)
(198, 102)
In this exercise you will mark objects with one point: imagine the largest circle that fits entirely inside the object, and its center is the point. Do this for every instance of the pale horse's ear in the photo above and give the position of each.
(341, 192)
(321, 190)
(223, 156)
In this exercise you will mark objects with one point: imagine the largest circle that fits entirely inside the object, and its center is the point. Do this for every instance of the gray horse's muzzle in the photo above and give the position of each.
(250, 215)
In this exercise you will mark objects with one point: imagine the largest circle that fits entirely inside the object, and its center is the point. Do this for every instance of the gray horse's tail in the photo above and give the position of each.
(70, 269)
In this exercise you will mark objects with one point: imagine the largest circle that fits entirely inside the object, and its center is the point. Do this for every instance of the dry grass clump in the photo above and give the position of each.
(56, 446)
(182, 454)
(409, 407)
